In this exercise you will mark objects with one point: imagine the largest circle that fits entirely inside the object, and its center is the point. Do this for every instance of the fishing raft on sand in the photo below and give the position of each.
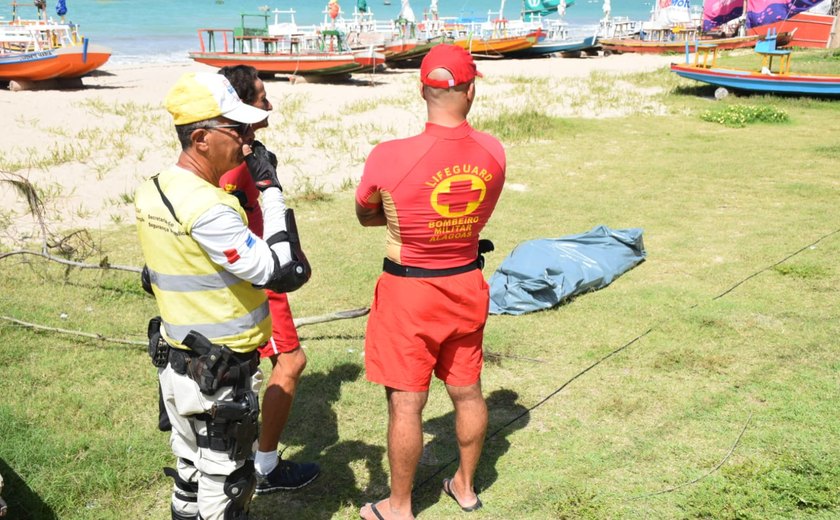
(765, 80)
(272, 50)
(41, 52)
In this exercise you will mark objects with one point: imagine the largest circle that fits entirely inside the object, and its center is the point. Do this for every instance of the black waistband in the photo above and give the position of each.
(180, 358)
(396, 269)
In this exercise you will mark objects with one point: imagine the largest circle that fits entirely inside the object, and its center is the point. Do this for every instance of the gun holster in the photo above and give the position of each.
(484, 246)
(210, 366)
(215, 366)
(158, 347)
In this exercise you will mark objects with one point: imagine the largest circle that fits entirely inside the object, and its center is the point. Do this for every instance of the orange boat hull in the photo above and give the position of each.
(494, 45)
(299, 64)
(64, 62)
(78, 63)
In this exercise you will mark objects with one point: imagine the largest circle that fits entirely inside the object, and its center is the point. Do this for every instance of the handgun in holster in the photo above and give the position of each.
(484, 246)
(236, 422)
(211, 367)
(158, 347)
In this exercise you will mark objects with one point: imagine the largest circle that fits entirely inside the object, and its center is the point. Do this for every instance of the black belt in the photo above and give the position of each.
(405, 271)
(180, 358)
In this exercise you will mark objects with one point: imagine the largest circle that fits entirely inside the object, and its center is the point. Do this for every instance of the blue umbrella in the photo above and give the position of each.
(61, 8)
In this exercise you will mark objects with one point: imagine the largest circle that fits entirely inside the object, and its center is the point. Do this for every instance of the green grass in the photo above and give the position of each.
(731, 327)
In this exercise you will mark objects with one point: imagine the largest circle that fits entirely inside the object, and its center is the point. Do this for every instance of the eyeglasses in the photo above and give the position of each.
(241, 129)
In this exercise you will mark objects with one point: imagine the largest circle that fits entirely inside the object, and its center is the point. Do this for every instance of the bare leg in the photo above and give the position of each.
(279, 395)
(405, 445)
(470, 429)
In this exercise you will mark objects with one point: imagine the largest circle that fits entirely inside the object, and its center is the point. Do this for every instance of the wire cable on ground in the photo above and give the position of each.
(701, 477)
(785, 259)
(621, 348)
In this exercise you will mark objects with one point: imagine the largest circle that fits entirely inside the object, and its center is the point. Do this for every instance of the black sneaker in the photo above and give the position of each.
(287, 475)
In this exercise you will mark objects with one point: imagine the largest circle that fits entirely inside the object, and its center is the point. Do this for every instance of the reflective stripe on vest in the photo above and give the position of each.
(189, 283)
(218, 330)
(192, 292)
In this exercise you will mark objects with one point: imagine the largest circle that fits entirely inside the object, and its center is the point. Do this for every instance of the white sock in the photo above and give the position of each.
(265, 461)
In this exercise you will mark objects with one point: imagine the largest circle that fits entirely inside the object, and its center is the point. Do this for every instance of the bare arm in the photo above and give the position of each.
(370, 216)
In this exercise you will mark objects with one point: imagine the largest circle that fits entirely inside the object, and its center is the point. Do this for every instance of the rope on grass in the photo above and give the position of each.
(616, 351)
(299, 322)
(698, 479)
(549, 396)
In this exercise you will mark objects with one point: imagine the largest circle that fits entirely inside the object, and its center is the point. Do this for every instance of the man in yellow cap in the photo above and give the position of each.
(206, 271)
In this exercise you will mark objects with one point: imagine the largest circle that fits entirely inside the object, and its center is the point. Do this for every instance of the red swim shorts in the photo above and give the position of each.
(284, 337)
(422, 325)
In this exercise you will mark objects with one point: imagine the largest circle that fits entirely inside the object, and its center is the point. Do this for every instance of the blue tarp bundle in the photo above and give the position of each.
(540, 274)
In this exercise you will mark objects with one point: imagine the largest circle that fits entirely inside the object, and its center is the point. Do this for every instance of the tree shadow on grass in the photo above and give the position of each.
(313, 424)
(440, 455)
(314, 427)
(23, 502)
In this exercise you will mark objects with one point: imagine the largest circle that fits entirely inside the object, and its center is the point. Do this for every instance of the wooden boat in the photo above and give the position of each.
(555, 32)
(495, 46)
(806, 29)
(320, 54)
(765, 80)
(41, 49)
(309, 64)
(622, 45)
(399, 49)
(62, 63)
(547, 47)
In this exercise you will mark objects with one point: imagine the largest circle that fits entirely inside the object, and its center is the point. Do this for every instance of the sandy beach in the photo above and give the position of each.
(86, 150)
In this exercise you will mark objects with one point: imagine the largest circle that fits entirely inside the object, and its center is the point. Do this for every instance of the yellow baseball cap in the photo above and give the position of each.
(199, 96)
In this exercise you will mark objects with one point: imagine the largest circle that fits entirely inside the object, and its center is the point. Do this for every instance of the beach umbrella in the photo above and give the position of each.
(61, 8)
(362, 6)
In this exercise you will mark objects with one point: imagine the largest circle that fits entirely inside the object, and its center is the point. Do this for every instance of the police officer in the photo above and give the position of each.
(206, 270)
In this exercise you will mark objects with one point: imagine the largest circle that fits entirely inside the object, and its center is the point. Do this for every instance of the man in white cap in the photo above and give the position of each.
(206, 271)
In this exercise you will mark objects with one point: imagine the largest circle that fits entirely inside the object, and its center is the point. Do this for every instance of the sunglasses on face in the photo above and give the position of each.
(241, 129)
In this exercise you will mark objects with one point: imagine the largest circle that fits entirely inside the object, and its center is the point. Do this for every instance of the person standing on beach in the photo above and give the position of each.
(434, 192)
(207, 270)
(283, 347)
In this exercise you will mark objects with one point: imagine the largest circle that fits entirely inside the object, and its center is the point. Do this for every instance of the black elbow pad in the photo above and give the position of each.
(291, 276)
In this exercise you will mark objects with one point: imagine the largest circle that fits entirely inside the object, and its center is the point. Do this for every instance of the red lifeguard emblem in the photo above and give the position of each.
(458, 195)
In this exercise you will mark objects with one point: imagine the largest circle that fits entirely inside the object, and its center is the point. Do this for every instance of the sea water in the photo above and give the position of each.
(139, 31)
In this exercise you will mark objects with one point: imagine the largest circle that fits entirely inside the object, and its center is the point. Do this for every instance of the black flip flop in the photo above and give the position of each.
(375, 511)
(448, 490)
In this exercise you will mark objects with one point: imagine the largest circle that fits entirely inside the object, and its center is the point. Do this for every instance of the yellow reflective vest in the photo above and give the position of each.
(192, 292)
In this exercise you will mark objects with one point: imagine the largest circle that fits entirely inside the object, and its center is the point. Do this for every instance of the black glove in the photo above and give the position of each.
(262, 165)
